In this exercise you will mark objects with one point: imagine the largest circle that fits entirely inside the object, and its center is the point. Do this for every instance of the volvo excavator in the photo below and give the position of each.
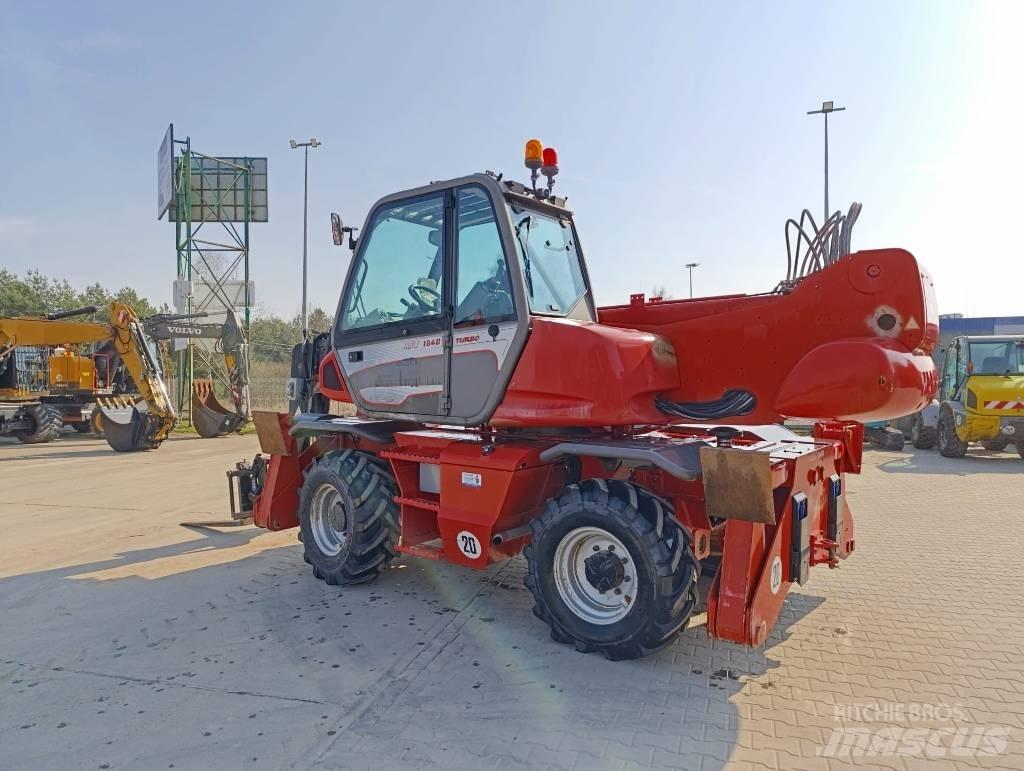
(129, 422)
(209, 417)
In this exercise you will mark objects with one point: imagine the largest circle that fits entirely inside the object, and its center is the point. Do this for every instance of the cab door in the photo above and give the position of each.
(392, 327)
(483, 311)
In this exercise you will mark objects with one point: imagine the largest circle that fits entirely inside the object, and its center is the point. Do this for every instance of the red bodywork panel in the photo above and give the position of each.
(332, 384)
(820, 351)
(584, 374)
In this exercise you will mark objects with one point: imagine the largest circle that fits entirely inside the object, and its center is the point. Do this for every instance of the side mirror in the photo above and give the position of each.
(337, 230)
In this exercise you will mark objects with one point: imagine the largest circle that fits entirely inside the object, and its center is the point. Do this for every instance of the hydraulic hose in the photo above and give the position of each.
(734, 403)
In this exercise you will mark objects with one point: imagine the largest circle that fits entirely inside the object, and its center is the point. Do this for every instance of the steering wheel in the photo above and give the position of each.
(431, 304)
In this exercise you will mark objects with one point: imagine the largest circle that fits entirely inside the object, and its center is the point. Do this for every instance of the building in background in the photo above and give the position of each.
(955, 324)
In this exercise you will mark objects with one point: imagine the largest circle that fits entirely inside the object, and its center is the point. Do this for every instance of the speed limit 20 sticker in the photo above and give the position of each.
(469, 545)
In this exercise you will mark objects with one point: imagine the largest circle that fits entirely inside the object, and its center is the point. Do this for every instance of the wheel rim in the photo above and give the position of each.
(915, 430)
(595, 575)
(328, 520)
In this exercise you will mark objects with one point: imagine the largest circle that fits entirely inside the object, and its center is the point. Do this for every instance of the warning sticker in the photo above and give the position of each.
(912, 324)
(469, 545)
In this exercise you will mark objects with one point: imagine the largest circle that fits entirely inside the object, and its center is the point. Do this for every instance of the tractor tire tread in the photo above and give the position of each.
(373, 517)
(670, 555)
(953, 447)
(926, 438)
(49, 424)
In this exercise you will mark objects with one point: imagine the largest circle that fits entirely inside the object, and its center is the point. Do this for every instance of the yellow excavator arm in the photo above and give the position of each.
(127, 424)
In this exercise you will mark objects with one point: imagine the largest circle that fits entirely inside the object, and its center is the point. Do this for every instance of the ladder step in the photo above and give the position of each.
(420, 550)
(418, 503)
(416, 456)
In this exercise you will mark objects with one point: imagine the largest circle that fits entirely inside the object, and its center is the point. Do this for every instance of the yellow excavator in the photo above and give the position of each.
(129, 422)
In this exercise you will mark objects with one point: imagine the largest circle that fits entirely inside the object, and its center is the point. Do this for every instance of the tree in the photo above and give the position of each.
(37, 294)
(660, 290)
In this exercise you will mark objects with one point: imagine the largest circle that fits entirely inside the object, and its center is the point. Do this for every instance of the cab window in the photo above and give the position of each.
(550, 260)
(1002, 357)
(483, 287)
(399, 274)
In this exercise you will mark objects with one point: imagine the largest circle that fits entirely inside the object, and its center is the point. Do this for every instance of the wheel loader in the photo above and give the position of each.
(621, 449)
(980, 399)
(129, 422)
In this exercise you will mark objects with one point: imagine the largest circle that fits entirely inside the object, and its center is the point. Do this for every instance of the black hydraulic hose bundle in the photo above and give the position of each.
(734, 403)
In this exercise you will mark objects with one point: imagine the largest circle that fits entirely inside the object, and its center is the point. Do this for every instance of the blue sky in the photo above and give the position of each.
(681, 129)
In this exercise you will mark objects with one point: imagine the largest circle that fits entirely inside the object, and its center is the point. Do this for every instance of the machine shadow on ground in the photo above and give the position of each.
(977, 460)
(428, 655)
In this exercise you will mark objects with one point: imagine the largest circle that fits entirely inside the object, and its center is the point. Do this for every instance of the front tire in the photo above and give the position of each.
(348, 520)
(921, 436)
(611, 569)
(950, 445)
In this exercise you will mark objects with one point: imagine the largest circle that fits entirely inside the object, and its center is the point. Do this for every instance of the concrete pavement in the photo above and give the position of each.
(129, 641)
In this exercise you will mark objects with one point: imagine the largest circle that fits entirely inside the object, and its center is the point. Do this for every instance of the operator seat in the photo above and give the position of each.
(998, 364)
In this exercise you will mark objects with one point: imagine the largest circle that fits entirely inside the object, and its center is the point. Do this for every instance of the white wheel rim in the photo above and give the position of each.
(328, 520)
(611, 563)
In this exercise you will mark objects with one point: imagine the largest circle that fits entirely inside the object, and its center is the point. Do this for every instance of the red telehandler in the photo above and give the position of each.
(622, 449)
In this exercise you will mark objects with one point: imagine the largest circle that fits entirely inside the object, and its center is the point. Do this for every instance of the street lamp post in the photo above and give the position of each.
(826, 108)
(690, 266)
(305, 224)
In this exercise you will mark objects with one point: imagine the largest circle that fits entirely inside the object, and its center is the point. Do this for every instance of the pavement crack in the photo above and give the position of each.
(172, 684)
(400, 677)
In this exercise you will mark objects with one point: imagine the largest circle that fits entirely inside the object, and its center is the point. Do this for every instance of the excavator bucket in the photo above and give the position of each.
(127, 425)
(209, 416)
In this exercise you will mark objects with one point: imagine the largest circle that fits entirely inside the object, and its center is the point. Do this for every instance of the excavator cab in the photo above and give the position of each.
(438, 300)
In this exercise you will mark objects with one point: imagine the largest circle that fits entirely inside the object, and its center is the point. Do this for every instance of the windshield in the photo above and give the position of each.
(1000, 357)
(550, 260)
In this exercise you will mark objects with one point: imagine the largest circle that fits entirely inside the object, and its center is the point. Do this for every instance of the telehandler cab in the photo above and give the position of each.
(499, 411)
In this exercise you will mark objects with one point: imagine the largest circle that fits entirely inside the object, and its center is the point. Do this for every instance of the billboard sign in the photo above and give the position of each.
(218, 189)
(165, 173)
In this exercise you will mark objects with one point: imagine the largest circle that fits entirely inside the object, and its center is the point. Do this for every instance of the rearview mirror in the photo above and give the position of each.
(337, 230)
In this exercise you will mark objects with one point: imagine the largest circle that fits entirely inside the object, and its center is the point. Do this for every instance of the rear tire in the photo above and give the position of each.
(48, 425)
(921, 436)
(995, 445)
(82, 427)
(601, 537)
(96, 422)
(348, 520)
(892, 440)
(950, 445)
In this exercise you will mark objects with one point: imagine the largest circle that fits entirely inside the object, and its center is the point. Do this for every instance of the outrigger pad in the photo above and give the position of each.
(128, 427)
(209, 417)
